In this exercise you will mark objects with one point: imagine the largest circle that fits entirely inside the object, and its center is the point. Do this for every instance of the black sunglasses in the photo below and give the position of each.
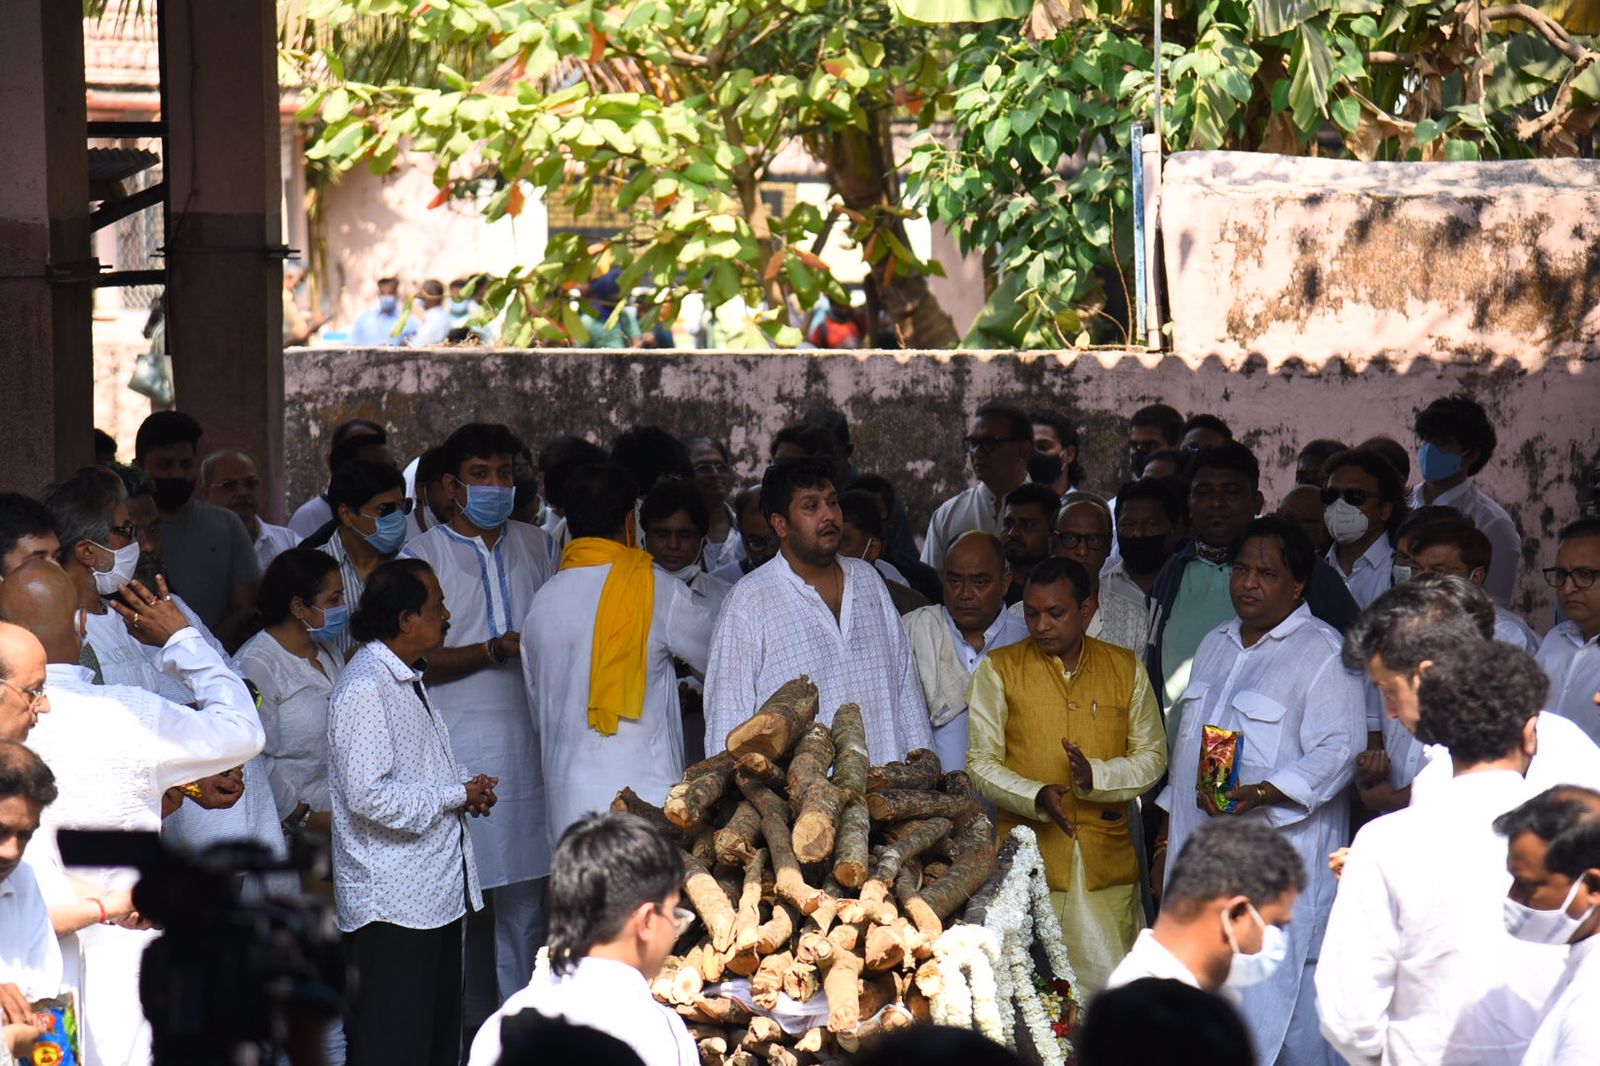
(1354, 497)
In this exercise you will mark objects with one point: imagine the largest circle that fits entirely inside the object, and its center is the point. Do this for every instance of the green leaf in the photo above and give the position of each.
(336, 106)
(871, 52)
(1235, 84)
(1457, 151)
(1274, 17)
(1364, 26)
(1311, 65)
(1346, 112)
(1428, 129)
(1045, 149)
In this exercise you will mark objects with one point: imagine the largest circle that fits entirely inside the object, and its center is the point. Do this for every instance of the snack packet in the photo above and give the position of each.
(1219, 764)
(59, 1045)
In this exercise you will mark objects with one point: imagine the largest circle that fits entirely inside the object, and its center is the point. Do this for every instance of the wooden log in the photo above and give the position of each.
(713, 1050)
(847, 936)
(767, 983)
(713, 964)
(780, 722)
(873, 1029)
(921, 1010)
(813, 947)
(920, 770)
(762, 1031)
(982, 898)
(850, 759)
(702, 845)
(742, 1057)
(816, 825)
(889, 946)
(747, 922)
(709, 901)
(973, 863)
(776, 930)
(688, 981)
(690, 800)
(899, 805)
(629, 800)
(714, 1010)
(813, 1040)
(912, 840)
(802, 981)
(923, 916)
(790, 882)
(736, 841)
(661, 985)
(764, 770)
(850, 844)
(782, 1055)
(876, 993)
(813, 756)
(841, 983)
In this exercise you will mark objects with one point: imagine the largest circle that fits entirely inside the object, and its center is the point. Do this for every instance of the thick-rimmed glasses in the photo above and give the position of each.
(1581, 577)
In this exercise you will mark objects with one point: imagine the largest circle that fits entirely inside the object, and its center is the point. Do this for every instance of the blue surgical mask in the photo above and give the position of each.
(334, 622)
(461, 308)
(387, 303)
(1437, 464)
(488, 506)
(1247, 970)
(390, 534)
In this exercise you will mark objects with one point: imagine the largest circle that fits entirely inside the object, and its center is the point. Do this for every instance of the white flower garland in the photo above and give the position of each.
(968, 956)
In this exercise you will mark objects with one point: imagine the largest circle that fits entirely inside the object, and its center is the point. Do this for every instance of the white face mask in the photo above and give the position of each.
(123, 563)
(1401, 574)
(1543, 927)
(1247, 970)
(1345, 521)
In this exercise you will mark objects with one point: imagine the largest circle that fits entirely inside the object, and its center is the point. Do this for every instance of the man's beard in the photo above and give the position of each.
(812, 552)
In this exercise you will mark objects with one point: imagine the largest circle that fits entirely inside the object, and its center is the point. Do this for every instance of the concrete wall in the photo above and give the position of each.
(909, 410)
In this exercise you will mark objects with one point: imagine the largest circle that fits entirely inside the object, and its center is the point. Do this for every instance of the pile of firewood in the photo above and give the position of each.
(813, 883)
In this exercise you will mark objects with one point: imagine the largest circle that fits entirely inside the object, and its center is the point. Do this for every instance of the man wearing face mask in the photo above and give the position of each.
(368, 528)
(1417, 966)
(1364, 504)
(490, 568)
(1554, 844)
(1228, 898)
(385, 325)
(1150, 519)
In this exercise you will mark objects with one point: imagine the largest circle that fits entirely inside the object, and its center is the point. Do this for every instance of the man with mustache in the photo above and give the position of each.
(810, 611)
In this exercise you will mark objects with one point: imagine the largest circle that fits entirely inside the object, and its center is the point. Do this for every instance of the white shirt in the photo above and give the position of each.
(311, 516)
(1566, 756)
(401, 853)
(294, 714)
(1509, 627)
(945, 660)
(1303, 717)
(711, 590)
(584, 769)
(30, 955)
(492, 731)
(1573, 665)
(730, 572)
(1149, 958)
(602, 994)
(1417, 968)
(974, 508)
(272, 541)
(1373, 572)
(435, 327)
(1493, 522)
(123, 660)
(774, 627)
(253, 818)
(1569, 1031)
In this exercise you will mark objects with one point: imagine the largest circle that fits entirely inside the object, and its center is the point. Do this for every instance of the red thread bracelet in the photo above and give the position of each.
(96, 901)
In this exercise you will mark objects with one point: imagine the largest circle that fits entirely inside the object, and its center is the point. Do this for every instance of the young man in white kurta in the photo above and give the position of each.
(1304, 719)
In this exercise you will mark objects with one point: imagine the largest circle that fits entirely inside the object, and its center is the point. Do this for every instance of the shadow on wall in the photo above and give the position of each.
(909, 412)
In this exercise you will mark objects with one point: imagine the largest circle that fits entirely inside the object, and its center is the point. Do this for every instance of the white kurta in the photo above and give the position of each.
(1566, 756)
(583, 769)
(492, 730)
(945, 662)
(1304, 719)
(1493, 522)
(294, 714)
(30, 956)
(775, 627)
(1569, 1031)
(123, 660)
(974, 508)
(1573, 665)
(1417, 969)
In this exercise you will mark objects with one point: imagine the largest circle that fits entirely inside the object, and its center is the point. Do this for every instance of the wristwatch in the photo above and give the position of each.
(298, 817)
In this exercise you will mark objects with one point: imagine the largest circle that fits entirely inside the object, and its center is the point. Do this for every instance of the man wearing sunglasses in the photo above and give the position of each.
(999, 442)
(1570, 653)
(614, 917)
(1363, 505)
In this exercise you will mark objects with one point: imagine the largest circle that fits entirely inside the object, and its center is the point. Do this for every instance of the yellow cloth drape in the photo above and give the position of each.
(617, 662)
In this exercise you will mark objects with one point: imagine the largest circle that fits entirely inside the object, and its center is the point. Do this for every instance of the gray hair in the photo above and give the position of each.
(84, 506)
(209, 463)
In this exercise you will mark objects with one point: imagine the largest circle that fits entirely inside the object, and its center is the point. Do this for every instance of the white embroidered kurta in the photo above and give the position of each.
(775, 627)
(492, 729)
(945, 662)
(1573, 665)
(1493, 522)
(1569, 1031)
(294, 714)
(1417, 968)
(583, 769)
(1304, 719)
(974, 508)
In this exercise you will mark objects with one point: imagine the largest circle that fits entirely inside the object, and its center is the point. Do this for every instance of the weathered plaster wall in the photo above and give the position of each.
(909, 411)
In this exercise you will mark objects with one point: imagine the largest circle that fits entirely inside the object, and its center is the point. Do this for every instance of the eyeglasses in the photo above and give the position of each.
(1095, 541)
(387, 509)
(756, 542)
(233, 484)
(712, 468)
(127, 531)
(1354, 497)
(1583, 577)
(682, 918)
(989, 444)
(35, 696)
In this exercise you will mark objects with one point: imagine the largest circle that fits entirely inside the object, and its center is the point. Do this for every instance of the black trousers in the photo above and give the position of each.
(406, 1010)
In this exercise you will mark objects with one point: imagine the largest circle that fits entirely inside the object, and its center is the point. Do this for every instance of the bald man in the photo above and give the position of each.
(229, 478)
(115, 750)
(22, 673)
(948, 640)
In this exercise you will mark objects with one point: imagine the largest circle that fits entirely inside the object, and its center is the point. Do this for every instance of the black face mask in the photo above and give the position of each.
(172, 493)
(1142, 555)
(1044, 469)
(527, 492)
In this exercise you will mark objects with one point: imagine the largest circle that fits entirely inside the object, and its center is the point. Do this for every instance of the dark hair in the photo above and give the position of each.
(831, 419)
(1155, 1022)
(1067, 434)
(1031, 493)
(1391, 450)
(23, 773)
(358, 429)
(432, 466)
(861, 510)
(104, 445)
(22, 516)
(1318, 452)
(350, 449)
(1021, 424)
(360, 480)
(479, 440)
(1408, 624)
(1232, 858)
(163, 428)
(1183, 460)
(710, 442)
(389, 280)
(560, 459)
(393, 589)
(667, 499)
(1298, 554)
(812, 440)
(1467, 539)
(1583, 527)
(605, 866)
(1567, 819)
(599, 497)
(1425, 516)
(1205, 421)
(1161, 418)
(528, 1038)
(1465, 596)
(1463, 420)
(782, 480)
(1230, 455)
(134, 480)
(935, 1045)
(83, 507)
(1167, 492)
(294, 572)
(879, 486)
(1390, 489)
(648, 454)
(433, 287)
(1056, 568)
(1476, 698)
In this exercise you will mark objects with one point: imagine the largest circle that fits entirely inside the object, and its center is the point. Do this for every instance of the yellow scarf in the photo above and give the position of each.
(617, 663)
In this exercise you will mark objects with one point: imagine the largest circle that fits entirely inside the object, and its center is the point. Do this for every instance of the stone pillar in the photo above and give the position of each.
(46, 269)
(224, 273)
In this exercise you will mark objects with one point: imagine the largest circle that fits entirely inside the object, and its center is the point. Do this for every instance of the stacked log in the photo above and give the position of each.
(813, 873)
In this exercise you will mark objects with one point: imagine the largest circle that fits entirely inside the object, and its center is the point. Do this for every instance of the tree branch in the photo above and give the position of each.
(1552, 30)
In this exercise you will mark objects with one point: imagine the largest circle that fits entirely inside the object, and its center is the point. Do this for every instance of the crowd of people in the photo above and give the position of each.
(1376, 783)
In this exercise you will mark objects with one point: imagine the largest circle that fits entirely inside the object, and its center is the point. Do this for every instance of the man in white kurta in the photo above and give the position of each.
(999, 441)
(1303, 718)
